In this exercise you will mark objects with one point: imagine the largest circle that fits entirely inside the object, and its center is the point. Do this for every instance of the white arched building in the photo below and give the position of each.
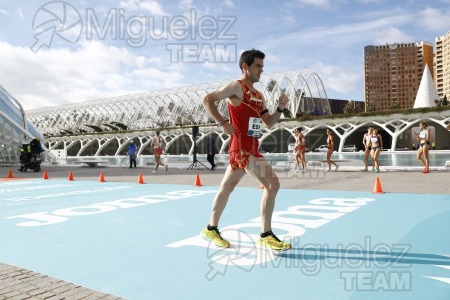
(396, 131)
(105, 126)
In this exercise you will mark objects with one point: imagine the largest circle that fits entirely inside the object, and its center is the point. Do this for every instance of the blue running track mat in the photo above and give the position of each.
(141, 241)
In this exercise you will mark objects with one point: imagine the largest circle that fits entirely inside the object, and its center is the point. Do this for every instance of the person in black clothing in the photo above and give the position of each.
(211, 151)
(35, 146)
(24, 156)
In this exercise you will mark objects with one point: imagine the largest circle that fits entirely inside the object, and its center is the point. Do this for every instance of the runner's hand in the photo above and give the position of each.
(228, 128)
(283, 100)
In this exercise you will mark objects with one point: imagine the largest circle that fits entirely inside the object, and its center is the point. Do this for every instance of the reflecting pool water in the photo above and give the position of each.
(387, 158)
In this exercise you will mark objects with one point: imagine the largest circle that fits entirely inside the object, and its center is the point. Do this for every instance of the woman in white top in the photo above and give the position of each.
(366, 143)
(376, 145)
(424, 146)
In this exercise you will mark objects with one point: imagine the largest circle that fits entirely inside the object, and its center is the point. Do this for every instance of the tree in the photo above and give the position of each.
(179, 121)
(271, 85)
(287, 113)
(171, 106)
(394, 105)
(445, 101)
(120, 125)
(95, 128)
(114, 128)
(349, 108)
(370, 107)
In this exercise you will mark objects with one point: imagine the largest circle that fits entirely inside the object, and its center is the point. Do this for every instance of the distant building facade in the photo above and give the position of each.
(392, 73)
(442, 65)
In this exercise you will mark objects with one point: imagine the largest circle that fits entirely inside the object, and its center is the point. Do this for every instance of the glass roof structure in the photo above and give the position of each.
(178, 106)
(15, 129)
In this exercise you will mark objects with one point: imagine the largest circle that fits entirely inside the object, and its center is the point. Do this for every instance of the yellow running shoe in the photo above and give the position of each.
(271, 241)
(215, 237)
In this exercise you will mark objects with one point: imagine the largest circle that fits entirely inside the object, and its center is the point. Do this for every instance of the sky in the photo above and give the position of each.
(59, 52)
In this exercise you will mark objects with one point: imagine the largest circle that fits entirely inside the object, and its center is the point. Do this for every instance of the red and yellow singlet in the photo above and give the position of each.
(246, 119)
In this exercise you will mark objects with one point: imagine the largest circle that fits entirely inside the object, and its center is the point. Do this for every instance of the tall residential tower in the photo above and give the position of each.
(393, 72)
(442, 65)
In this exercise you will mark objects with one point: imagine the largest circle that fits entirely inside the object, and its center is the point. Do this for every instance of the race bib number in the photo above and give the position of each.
(254, 127)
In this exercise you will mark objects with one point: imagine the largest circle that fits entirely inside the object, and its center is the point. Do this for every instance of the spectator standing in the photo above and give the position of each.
(132, 152)
(330, 150)
(424, 146)
(158, 144)
(211, 151)
(366, 143)
(376, 145)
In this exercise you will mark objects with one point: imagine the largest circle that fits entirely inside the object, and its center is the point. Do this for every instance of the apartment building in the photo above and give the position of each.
(392, 73)
(442, 65)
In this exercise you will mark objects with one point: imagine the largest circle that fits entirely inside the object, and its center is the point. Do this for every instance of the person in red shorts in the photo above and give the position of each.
(158, 144)
(248, 111)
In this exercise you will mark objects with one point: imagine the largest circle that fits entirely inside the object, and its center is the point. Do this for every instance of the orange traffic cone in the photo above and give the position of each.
(197, 181)
(102, 177)
(45, 176)
(71, 176)
(141, 179)
(10, 174)
(377, 188)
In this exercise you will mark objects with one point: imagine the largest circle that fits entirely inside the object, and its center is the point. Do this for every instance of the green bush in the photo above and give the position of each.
(407, 111)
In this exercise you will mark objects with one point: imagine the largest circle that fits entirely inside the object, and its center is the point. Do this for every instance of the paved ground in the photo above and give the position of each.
(16, 283)
(406, 180)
